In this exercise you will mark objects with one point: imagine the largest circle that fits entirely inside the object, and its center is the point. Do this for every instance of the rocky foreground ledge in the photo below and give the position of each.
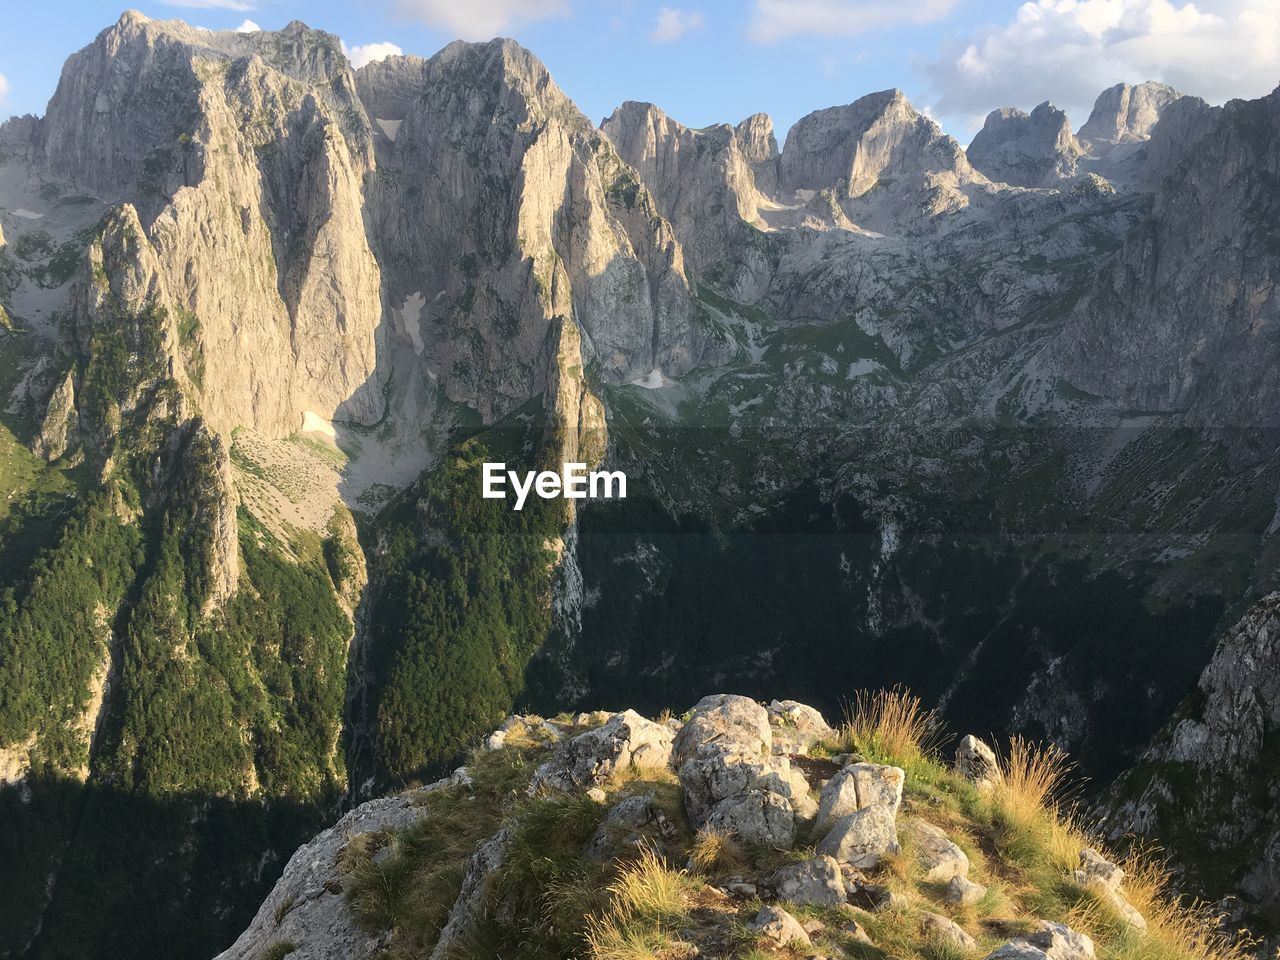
(740, 831)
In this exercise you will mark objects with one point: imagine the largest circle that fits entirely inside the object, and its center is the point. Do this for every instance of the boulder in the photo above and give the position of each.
(728, 722)
(855, 787)
(1104, 877)
(755, 817)
(779, 927)
(1097, 869)
(963, 891)
(939, 858)
(714, 775)
(944, 929)
(796, 727)
(977, 763)
(862, 838)
(590, 759)
(1051, 941)
(817, 881)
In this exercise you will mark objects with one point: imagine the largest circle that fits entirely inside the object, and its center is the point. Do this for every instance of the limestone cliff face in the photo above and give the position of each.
(1026, 150)
(501, 206)
(703, 181)
(244, 156)
(1205, 250)
(887, 162)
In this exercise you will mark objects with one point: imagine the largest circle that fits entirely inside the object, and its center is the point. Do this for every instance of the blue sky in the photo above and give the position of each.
(714, 61)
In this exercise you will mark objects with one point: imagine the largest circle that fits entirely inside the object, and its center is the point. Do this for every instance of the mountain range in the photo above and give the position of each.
(995, 423)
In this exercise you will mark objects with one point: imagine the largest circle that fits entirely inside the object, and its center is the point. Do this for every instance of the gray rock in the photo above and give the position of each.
(862, 838)
(961, 890)
(939, 858)
(855, 787)
(590, 759)
(1104, 878)
(470, 905)
(1052, 941)
(779, 927)
(755, 817)
(726, 722)
(977, 763)
(306, 906)
(946, 930)
(1095, 868)
(817, 881)
(797, 727)
(1026, 150)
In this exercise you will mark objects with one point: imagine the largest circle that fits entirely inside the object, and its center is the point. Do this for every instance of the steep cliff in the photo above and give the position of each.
(1205, 250)
(1206, 789)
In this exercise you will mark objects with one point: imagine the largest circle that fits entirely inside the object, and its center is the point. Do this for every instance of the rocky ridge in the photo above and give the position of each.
(720, 789)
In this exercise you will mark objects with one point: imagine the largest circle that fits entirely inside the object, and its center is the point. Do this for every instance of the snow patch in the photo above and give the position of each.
(861, 368)
(314, 423)
(654, 381)
(411, 319)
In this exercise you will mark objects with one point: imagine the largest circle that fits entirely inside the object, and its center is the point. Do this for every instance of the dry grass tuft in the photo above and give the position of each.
(1034, 780)
(644, 899)
(891, 726)
(714, 852)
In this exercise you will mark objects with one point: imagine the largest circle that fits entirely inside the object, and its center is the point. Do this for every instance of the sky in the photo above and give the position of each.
(713, 61)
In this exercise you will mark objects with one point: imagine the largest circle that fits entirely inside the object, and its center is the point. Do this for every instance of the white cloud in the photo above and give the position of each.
(238, 5)
(4, 89)
(1071, 50)
(369, 52)
(777, 19)
(481, 19)
(248, 27)
(674, 23)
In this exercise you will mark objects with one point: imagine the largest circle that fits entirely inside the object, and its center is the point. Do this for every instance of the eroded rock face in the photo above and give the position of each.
(703, 181)
(1138, 335)
(1126, 113)
(306, 908)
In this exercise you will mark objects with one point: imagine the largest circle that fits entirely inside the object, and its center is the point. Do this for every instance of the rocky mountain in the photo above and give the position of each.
(1026, 150)
(990, 424)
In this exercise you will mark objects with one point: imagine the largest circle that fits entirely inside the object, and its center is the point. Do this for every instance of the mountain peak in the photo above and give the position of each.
(1127, 112)
(1026, 149)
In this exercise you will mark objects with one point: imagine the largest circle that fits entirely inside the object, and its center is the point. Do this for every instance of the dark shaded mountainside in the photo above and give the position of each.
(996, 424)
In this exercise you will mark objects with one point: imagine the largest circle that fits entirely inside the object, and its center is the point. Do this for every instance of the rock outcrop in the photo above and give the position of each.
(1026, 150)
(1209, 776)
(886, 163)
